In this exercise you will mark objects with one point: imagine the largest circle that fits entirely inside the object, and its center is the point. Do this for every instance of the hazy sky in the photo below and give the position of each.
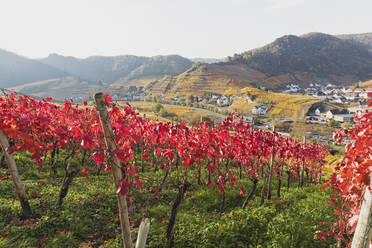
(191, 28)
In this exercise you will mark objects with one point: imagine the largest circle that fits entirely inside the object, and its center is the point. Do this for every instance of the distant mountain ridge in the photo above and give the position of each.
(17, 70)
(119, 69)
(62, 76)
(313, 57)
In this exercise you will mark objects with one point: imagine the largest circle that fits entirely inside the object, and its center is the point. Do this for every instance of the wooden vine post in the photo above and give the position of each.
(271, 169)
(2, 158)
(142, 233)
(303, 167)
(115, 167)
(19, 187)
(363, 232)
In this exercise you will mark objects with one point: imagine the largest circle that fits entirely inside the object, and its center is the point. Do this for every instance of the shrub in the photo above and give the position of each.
(157, 107)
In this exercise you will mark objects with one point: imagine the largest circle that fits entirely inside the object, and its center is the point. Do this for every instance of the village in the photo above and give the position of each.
(338, 105)
(330, 92)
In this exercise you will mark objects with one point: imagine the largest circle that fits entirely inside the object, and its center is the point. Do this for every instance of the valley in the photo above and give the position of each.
(281, 82)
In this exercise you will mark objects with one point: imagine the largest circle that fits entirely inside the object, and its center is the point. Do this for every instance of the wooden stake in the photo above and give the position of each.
(18, 185)
(271, 170)
(363, 231)
(142, 233)
(115, 167)
(303, 167)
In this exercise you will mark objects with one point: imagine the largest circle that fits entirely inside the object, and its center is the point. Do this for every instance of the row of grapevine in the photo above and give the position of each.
(215, 157)
(352, 183)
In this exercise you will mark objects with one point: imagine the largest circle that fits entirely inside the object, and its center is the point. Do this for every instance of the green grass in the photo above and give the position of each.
(89, 215)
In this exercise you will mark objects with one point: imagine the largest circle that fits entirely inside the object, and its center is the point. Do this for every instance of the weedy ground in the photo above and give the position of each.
(89, 216)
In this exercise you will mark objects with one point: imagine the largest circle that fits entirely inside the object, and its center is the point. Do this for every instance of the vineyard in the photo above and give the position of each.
(235, 173)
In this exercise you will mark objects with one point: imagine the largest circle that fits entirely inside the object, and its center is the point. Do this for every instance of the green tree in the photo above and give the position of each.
(190, 99)
(332, 123)
(157, 107)
(163, 113)
(352, 104)
(208, 119)
(132, 89)
(346, 125)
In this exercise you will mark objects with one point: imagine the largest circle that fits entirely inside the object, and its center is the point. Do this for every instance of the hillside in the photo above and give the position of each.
(279, 105)
(322, 55)
(119, 70)
(61, 88)
(367, 84)
(229, 78)
(16, 70)
(207, 78)
(364, 40)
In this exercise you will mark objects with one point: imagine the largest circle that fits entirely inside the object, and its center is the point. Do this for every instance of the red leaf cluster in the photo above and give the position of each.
(352, 177)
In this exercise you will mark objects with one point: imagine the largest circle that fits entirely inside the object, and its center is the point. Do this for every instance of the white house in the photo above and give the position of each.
(223, 101)
(321, 97)
(365, 94)
(356, 108)
(340, 100)
(328, 92)
(331, 113)
(347, 90)
(257, 110)
(350, 97)
(160, 97)
(344, 118)
(292, 88)
(248, 119)
(248, 99)
(359, 90)
(317, 112)
(138, 98)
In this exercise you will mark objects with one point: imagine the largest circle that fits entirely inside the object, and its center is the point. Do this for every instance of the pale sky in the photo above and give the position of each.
(191, 28)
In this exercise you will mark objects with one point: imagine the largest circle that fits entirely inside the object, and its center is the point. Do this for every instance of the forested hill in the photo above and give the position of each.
(317, 53)
(364, 40)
